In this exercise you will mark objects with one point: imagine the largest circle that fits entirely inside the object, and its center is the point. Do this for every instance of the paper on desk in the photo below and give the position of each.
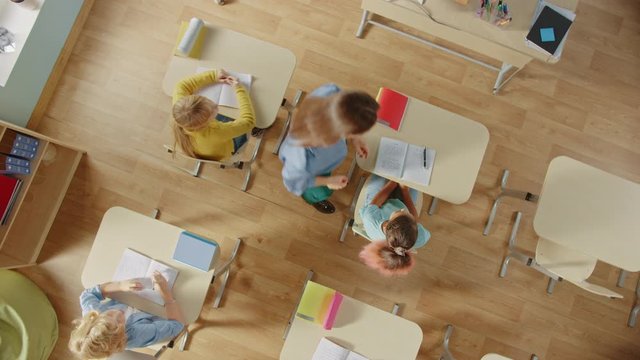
(223, 94)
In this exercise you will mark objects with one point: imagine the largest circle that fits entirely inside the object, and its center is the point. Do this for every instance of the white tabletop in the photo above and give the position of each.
(122, 228)
(459, 142)
(359, 327)
(270, 65)
(587, 209)
(493, 356)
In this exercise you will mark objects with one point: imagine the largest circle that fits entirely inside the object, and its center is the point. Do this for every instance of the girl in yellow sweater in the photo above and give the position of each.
(199, 130)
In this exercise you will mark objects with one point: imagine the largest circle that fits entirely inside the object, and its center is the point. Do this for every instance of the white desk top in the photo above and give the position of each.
(592, 211)
(122, 228)
(493, 356)
(270, 65)
(459, 142)
(376, 334)
(504, 43)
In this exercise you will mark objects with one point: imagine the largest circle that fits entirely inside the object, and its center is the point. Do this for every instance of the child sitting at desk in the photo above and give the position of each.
(109, 327)
(197, 130)
(316, 143)
(393, 219)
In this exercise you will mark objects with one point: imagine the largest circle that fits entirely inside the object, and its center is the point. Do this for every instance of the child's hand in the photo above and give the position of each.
(161, 286)
(362, 149)
(337, 182)
(130, 285)
(221, 74)
(230, 80)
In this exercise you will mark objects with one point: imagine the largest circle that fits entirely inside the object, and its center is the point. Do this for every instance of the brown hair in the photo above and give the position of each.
(191, 113)
(322, 121)
(393, 257)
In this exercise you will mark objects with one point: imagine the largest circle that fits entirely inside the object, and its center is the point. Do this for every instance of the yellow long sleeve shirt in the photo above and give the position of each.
(215, 142)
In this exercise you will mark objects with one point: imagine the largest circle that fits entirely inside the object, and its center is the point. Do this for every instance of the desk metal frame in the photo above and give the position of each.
(502, 70)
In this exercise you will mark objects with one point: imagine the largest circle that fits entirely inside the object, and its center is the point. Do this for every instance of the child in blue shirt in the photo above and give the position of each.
(316, 144)
(109, 327)
(395, 221)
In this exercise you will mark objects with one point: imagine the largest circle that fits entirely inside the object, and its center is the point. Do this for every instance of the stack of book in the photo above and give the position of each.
(319, 304)
(16, 151)
(9, 189)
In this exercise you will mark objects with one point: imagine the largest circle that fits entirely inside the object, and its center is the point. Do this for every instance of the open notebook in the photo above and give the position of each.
(328, 350)
(405, 161)
(223, 94)
(134, 265)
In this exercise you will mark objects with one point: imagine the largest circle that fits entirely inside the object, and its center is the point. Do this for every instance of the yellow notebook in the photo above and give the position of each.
(315, 302)
(197, 46)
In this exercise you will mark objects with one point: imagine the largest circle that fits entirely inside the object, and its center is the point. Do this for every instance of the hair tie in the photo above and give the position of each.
(400, 251)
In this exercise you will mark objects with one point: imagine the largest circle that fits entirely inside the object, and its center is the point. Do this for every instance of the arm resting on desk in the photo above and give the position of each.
(245, 121)
(406, 199)
(191, 84)
(382, 196)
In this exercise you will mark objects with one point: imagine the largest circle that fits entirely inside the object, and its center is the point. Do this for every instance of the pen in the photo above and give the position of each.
(424, 157)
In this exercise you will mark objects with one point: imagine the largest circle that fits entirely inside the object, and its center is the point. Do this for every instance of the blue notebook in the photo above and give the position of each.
(196, 251)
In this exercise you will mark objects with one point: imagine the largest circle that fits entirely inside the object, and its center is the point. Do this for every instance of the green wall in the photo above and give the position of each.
(22, 91)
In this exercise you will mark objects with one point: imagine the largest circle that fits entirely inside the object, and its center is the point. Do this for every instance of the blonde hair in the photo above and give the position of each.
(322, 121)
(97, 336)
(191, 113)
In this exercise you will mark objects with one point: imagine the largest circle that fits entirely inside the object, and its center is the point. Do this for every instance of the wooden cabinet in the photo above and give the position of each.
(39, 199)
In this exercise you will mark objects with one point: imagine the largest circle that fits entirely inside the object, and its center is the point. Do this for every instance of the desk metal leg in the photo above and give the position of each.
(290, 107)
(621, 278)
(293, 314)
(514, 253)
(395, 309)
(224, 270)
(446, 355)
(352, 209)
(248, 164)
(633, 316)
(522, 195)
(363, 23)
(433, 206)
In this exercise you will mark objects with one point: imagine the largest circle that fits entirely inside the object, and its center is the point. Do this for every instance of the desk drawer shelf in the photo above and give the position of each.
(37, 204)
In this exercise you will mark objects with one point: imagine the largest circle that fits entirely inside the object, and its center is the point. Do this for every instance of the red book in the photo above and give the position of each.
(8, 190)
(392, 107)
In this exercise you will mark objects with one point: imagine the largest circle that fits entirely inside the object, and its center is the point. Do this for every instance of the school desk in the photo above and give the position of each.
(458, 24)
(459, 142)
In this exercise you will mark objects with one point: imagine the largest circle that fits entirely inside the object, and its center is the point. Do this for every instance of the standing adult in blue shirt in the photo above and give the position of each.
(108, 326)
(316, 144)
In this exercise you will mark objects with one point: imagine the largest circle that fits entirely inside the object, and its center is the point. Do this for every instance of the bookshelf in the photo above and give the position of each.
(37, 204)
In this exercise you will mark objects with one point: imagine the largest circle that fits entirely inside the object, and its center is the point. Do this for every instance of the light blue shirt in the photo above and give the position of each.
(302, 164)
(142, 329)
(373, 217)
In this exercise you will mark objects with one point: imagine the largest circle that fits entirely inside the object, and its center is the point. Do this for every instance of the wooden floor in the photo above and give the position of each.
(110, 102)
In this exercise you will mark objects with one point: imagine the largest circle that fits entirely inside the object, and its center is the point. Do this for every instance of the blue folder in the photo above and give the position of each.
(196, 251)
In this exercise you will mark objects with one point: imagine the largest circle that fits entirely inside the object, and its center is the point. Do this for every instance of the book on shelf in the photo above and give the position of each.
(393, 106)
(549, 29)
(319, 304)
(224, 94)
(328, 350)
(196, 251)
(134, 265)
(9, 190)
(18, 145)
(405, 161)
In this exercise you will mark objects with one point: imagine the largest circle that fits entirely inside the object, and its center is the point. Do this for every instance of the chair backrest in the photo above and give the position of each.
(236, 157)
(358, 227)
(571, 265)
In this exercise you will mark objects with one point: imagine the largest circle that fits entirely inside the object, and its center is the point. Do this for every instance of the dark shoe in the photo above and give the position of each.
(255, 132)
(325, 207)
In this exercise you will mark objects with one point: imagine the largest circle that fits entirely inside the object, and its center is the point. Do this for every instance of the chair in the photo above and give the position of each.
(235, 161)
(446, 355)
(159, 348)
(504, 191)
(557, 262)
(355, 221)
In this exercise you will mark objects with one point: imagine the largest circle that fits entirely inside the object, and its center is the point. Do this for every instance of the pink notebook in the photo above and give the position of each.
(334, 306)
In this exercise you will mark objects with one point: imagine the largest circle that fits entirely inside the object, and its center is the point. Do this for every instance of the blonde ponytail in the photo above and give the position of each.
(191, 113)
(97, 336)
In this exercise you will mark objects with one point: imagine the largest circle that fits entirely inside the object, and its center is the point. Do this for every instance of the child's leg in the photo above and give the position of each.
(238, 142)
(375, 185)
(316, 194)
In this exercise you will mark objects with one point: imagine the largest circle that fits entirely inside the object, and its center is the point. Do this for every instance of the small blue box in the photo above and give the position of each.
(547, 35)
(196, 251)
